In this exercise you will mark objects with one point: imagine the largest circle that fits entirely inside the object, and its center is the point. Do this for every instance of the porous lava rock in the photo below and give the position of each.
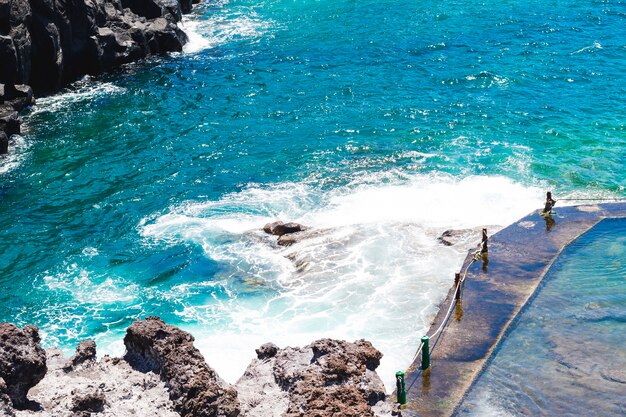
(324, 379)
(22, 361)
(194, 387)
(6, 409)
(85, 355)
(87, 401)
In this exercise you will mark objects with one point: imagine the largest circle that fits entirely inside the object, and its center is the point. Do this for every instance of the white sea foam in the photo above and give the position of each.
(375, 272)
(16, 154)
(591, 48)
(78, 92)
(221, 28)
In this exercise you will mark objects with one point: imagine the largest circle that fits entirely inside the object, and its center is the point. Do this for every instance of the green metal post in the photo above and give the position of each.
(400, 388)
(425, 352)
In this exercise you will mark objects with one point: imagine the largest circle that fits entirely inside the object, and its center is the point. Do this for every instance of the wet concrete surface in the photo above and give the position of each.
(494, 293)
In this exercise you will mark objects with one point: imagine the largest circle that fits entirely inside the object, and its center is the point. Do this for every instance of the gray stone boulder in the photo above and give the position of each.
(22, 361)
(194, 387)
(327, 378)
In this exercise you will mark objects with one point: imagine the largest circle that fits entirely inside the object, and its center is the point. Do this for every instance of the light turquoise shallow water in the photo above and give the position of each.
(384, 123)
(566, 356)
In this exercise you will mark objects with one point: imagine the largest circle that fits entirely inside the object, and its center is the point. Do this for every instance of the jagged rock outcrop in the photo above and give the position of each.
(48, 43)
(85, 355)
(110, 385)
(327, 378)
(87, 401)
(22, 361)
(194, 387)
(163, 374)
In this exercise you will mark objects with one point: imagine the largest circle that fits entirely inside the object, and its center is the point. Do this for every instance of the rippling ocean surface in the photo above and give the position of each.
(382, 124)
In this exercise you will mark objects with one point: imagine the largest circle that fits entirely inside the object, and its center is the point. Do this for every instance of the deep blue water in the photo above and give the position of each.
(133, 193)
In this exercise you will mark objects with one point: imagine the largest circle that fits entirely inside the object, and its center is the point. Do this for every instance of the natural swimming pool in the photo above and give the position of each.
(566, 355)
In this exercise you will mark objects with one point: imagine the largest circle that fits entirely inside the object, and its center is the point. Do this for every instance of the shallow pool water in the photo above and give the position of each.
(566, 355)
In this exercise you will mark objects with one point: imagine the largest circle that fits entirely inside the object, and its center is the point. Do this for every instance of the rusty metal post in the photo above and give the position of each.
(485, 249)
(457, 286)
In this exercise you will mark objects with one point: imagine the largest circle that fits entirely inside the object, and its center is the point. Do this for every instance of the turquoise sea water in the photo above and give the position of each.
(381, 123)
(566, 356)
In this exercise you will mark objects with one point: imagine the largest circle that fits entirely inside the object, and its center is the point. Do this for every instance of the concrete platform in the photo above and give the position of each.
(493, 295)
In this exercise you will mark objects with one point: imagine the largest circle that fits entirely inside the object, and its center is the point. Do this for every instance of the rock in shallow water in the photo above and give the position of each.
(279, 228)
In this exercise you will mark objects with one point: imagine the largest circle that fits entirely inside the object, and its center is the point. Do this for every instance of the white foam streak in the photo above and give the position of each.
(16, 154)
(80, 91)
(221, 28)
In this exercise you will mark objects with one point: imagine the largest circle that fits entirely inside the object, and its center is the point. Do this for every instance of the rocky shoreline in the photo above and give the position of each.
(45, 44)
(162, 373)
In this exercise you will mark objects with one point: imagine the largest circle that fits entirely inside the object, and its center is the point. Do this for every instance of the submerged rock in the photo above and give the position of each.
(22, 361)
(194, 387)
(326, 378)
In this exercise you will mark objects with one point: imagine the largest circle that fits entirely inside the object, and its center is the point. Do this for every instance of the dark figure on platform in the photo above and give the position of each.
(550, 202)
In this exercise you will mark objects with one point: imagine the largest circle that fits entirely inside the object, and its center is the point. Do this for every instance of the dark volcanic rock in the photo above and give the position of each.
(266, 351)
(4, 143)
(194, 387)
(22, 361)
(326, 378)
(87, 401)
(85, 355)
(279, 228)
(9, 120)
(151, 9)
(6, 409)
(49, 43)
